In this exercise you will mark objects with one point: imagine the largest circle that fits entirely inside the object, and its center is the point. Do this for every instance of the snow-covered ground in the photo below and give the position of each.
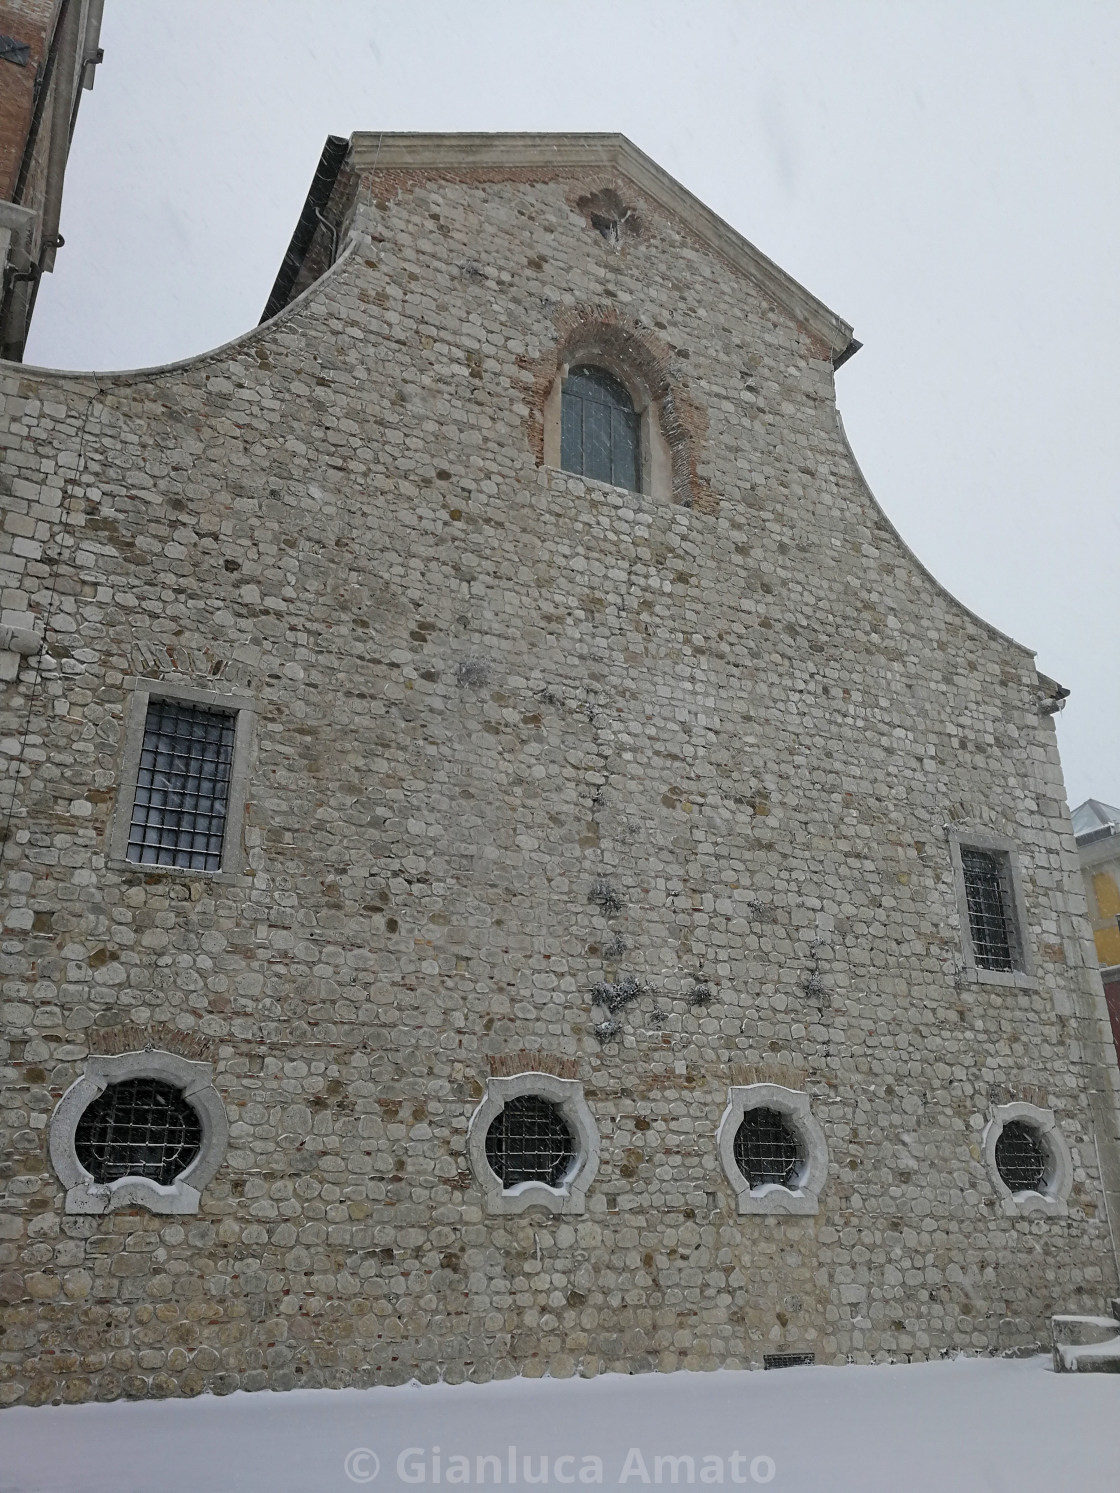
(968, 1426)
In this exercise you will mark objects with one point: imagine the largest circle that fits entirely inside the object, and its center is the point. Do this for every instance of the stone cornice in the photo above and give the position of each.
(571, 153)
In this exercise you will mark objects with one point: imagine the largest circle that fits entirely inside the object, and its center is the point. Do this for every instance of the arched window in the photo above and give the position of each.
(600, 430)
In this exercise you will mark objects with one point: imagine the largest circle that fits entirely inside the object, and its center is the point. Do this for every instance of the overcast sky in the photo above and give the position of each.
(943, 175)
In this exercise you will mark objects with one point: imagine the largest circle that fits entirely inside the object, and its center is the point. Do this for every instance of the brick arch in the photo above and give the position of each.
(597, 334)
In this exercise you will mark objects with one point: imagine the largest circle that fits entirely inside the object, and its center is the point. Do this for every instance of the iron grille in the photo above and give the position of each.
(1021, 1157)
(988, 897)
(530, 1142)
(767, 1148)
(787, 1360)
(599, 428)
(139, 1128)
(182, 788)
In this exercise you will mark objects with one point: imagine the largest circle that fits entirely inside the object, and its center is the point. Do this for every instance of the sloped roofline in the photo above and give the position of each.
(370, 151)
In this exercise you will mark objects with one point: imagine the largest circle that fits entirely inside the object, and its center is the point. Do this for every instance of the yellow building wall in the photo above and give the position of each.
(1106, 895)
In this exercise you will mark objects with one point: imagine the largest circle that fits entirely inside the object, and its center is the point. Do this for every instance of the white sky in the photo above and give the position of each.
(942, 174)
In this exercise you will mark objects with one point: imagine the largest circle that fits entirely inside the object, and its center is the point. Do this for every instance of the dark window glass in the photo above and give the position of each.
(988, 893)
(600, 429)
(140, 1128)
(767, 1148)
(182, 788)
(530, 1142)
(1021, 1157)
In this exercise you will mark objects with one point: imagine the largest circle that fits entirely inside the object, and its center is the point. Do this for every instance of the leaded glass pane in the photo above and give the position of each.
(600, 429)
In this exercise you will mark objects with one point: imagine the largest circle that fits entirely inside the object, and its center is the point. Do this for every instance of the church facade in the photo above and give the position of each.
(513, 866)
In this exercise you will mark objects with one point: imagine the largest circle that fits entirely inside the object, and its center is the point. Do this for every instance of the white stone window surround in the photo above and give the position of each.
(567, 1094)
(1059, 1179)
(195, 1079)
(656, 457)
(975, 838)
(241, 705)
(773, 1197)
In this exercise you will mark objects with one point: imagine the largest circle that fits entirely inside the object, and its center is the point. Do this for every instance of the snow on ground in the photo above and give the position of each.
(967, 1426)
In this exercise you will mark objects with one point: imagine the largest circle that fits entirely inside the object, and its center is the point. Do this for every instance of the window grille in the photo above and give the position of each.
(182, 788)
(767, 1148)
(988, 896)
(530, 1141)
(139, 1128)
(787, 1360)
(1021, 1157)
(600, 431)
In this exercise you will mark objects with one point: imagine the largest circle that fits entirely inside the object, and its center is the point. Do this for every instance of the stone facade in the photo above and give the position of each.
(518, 734)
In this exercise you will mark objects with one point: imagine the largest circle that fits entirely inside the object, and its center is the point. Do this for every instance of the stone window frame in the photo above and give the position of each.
(1022, 977)
(1053, 1200)
(656, 457)
(244, 708)
(567, 1094)
(773, 1197)
(196, 1081)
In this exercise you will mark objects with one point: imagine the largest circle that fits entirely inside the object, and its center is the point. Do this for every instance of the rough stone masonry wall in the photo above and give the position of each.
(486, 688)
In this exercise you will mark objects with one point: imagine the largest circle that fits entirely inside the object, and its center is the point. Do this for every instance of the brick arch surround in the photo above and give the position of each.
(587, 333)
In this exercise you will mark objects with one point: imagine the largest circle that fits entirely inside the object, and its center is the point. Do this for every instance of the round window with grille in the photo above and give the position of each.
(142, 1127)
(768, 1149)
(1021, 1157)
(530, 1141)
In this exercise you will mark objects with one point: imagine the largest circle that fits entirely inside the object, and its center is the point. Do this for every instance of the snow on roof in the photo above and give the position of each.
(1094, 818)
(970, 1425)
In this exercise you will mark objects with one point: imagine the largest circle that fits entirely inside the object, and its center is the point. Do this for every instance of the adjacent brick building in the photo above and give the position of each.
(624, 923)
(48, 53)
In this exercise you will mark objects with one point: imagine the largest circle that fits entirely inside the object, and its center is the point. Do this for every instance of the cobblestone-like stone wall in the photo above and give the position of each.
(486, 689)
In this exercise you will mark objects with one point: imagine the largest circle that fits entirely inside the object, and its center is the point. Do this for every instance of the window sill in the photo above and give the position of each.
(1015, 979)
(597, 483)
(229, 876)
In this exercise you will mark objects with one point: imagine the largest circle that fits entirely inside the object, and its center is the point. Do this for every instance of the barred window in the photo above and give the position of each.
(182, 787)
(530, 1141)
(1021, 1158)
(768, 1149)
(142, 1127)
(991, 920)
(600, 430)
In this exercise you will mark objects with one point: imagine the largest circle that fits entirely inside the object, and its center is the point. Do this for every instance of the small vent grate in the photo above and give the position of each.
(1021, 1157)
(788, 1360)
(767, 1148)
(139, 1128)
(18, 52)
(986, 892)
(182, 788)
(530, 1142)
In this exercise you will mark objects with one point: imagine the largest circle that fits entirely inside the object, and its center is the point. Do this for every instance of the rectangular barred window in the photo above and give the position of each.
(182, 787)
(991, 919)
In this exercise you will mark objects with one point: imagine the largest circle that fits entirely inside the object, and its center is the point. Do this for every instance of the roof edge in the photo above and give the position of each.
(988, 627)
(580, 152)
(319, 193)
